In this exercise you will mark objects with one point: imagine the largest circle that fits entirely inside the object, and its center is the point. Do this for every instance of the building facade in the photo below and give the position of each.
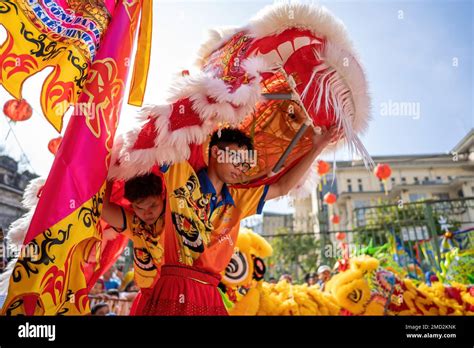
(12, 186)
(277, 224)
(414, 177)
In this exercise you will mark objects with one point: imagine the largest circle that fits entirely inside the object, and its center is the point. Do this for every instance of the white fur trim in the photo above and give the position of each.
(344, 74)
(352, 74)
(5, 278)
(342, 84)
(276, 18)
(215, 38)
(171, 147)
(30, 197)
(18, 228)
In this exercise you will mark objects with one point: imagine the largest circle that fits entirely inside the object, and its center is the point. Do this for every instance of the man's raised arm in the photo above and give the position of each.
(112, 213)
(293, 176)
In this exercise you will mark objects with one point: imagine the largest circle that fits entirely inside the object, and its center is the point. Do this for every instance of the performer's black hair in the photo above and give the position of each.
(98, 306)
(143, 186)
(229, 136)
(129, 286)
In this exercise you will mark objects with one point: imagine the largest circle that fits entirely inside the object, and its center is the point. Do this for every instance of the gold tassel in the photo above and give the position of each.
(142, 56)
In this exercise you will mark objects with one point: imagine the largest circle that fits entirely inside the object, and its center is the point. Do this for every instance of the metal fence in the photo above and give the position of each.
(117, 306)
(417, 229)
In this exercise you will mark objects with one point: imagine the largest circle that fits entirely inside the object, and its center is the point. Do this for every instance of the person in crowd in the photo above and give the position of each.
(310, 279)
(272, 280)
(98, 288)
(324, 274)
(286, 277)
(111, 281)
(100, 309)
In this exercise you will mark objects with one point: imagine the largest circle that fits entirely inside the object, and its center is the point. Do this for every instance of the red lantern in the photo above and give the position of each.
(335, 219)
(17, 110)
(340, 236)
(330, 198)
(323, 167)
(53, 145)
(383, 172)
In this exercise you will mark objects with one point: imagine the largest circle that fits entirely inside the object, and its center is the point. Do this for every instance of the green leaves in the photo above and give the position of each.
(297, 254)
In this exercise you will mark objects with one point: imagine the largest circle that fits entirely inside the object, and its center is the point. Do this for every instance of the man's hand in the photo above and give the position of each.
(293, 176)
(322, 139)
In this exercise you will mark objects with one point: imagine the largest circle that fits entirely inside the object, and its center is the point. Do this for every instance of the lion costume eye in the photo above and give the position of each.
(192, 183)
(143, 259)
(258, 268)
(187, 229)
(355, 295)
(238, 268)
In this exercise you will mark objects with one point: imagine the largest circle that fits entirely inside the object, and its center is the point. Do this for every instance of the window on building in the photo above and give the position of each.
(349, 185)
(441, 196)
(360, 213)
(392, 180)
(426, 180)
(361, 204)
(404, 180)
(450, 178)
(8, 179)
(415, 179)
(359, 182)
(416, 196)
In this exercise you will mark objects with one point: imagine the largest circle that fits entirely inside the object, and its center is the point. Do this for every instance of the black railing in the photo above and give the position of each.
(411, 227)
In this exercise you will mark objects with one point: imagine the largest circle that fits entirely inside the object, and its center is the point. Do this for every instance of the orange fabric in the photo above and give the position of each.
(195, 236)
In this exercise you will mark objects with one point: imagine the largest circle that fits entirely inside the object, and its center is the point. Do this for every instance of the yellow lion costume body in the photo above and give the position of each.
(363, 289)
(367, 289)
(244, 286)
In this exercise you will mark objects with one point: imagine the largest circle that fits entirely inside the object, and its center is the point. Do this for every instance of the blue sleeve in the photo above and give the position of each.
(262, 199)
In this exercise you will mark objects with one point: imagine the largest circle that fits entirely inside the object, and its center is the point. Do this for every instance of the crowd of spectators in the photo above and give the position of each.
(113, 293)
